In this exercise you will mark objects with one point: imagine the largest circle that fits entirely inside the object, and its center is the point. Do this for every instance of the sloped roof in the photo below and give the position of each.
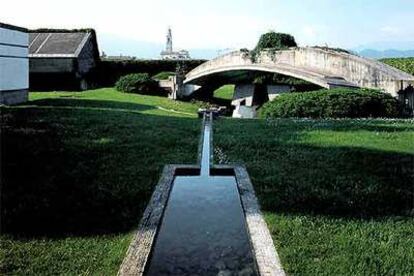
(56, 43)
(12, 27)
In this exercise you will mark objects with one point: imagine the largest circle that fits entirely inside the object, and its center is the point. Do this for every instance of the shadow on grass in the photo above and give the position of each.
(71, 172)
(68, 102)
(343, 181)
(85, 172)
(336, 181)
(344, 125)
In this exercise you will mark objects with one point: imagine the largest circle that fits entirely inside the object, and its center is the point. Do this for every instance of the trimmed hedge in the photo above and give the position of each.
(335, 103)
(140, 83)
(109, 71)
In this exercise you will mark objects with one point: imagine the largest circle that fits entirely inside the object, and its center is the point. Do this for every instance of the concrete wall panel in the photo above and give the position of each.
(14, 74)
(14, 66)
(13, 37)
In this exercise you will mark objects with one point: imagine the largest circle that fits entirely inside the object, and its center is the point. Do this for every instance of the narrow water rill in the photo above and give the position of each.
(205, 150)
(203, 229)
(202, 220)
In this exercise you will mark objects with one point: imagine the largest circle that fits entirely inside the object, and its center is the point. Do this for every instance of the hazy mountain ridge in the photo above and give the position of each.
(391, 53)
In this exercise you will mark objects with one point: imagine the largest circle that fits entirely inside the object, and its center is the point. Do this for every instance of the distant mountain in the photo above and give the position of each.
(386, 45)
(391, 53)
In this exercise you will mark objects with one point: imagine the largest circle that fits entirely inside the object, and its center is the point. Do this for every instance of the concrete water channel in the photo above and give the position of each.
(202, 220)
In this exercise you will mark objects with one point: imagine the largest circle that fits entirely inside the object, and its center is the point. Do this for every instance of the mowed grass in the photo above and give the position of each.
(338, 196)
(323, 245)
(77, 172)
(109, 98)
(79, 168)
(225, 92)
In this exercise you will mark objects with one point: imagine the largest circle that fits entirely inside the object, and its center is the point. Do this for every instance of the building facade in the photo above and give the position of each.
(62, 59)
(14, 64)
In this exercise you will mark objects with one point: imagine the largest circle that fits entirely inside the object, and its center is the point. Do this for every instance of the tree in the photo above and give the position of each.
(277, 41)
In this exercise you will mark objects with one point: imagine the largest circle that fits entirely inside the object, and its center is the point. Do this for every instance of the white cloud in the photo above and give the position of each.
(309, 31)
(313, 34)
(195, 24)
(390, 30)
(215, 23)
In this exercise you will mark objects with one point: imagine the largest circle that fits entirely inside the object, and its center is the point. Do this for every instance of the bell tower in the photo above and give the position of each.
(169, 46)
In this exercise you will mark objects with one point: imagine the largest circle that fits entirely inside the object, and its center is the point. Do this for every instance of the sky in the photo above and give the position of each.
(138, 27)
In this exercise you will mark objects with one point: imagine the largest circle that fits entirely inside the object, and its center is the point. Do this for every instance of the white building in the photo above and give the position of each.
(14, 64)
(169, 53)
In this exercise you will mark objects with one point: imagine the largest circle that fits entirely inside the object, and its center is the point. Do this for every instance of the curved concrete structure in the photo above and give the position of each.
(326, 68)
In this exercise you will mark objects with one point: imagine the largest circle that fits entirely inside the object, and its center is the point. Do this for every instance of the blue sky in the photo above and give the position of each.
(137, 27)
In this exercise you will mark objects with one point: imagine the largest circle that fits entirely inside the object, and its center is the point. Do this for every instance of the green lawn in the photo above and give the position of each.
(225, 92)
(111, 99)
(79, 167)
(337, 195)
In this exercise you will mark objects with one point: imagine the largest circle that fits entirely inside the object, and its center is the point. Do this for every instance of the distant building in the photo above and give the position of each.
(14, 64)
(121, 57)
(169, 53)
(62, 59)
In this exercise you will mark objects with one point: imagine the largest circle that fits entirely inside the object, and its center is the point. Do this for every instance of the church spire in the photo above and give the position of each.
(169, 47)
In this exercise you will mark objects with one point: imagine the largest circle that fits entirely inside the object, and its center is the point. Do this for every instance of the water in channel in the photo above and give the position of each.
(203, 230)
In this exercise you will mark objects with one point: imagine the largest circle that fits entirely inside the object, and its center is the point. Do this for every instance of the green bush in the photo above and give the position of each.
(277, 41)
(335, 103)
(140, 83)
(403, 64)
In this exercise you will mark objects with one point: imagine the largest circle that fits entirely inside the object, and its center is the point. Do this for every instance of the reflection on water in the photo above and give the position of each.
(203, 231)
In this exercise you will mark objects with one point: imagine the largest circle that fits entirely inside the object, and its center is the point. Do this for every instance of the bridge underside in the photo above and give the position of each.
(208, 82)
(248, 74)
(234, 77)
(247, 97)
(322, 67)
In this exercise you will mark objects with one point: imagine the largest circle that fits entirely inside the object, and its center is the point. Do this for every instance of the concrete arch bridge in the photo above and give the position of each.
(323, 67)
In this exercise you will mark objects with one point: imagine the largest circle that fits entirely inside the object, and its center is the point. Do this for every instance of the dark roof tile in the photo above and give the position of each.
(35, 40)
(56, 43)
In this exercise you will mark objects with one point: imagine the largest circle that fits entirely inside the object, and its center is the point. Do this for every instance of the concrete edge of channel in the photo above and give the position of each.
(139, 250)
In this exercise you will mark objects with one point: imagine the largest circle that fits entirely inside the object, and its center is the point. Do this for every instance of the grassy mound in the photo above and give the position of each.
(163, 75)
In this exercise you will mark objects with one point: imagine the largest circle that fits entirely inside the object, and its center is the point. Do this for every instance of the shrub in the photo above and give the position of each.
(277, 41)
(335, 103)
(403, 64)
(140, 83)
